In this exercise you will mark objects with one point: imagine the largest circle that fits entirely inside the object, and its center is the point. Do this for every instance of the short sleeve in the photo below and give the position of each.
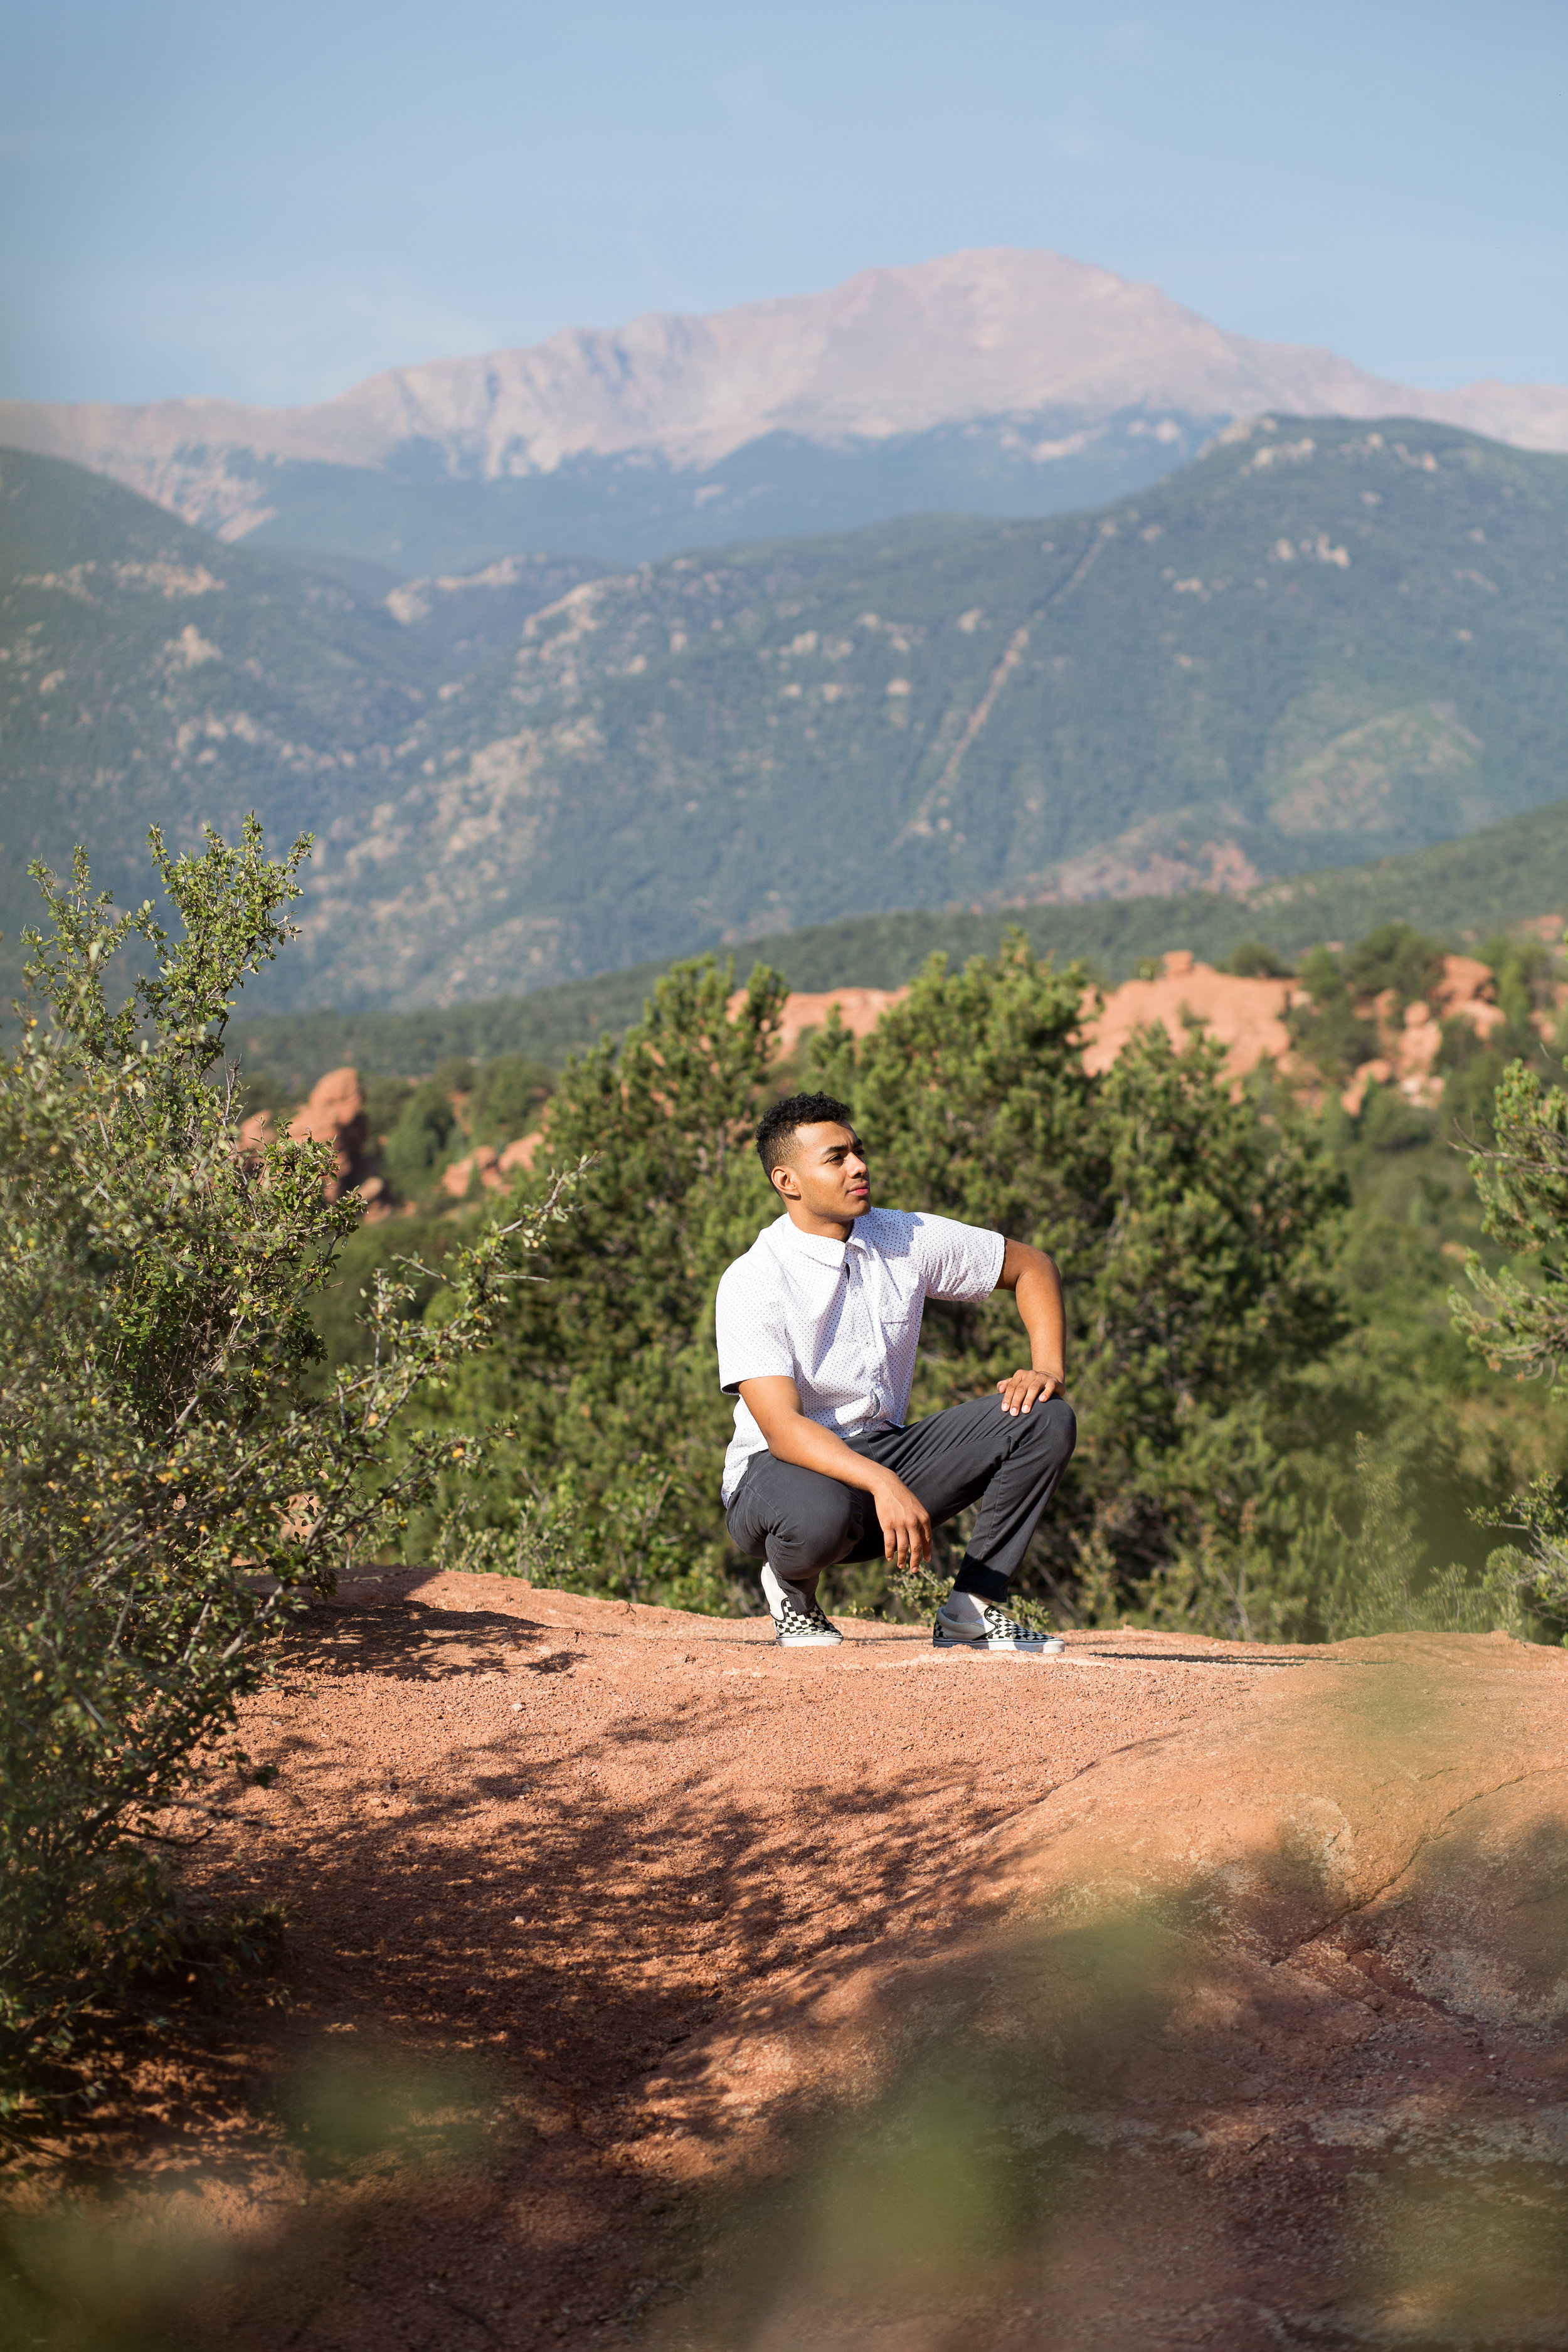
(960, 1263)
(750, 1327)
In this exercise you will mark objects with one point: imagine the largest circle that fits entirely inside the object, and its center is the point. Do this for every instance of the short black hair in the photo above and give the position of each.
(776, 1127)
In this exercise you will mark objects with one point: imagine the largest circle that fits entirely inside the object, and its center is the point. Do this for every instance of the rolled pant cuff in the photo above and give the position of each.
(987, 1583)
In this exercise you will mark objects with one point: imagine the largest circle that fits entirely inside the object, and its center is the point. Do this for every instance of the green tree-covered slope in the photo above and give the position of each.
(1460, 892)
(151, 674)
(1319, 644)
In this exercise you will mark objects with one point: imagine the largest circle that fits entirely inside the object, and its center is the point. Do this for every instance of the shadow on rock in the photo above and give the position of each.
(1247, 2035)
(1269, 2053)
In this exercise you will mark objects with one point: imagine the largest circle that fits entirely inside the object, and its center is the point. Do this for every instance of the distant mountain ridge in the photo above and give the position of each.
(999, 380)
(1319, 644)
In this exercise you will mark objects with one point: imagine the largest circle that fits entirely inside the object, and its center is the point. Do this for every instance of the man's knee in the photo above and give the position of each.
(799, 1516)
(1051, 1428)
(822, 1525)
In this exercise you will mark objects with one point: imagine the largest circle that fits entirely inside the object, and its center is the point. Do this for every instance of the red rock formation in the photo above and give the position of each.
(859, 1009)
(334, 1114)
(492, 1165)
(1466, 991)
(255, 1134)
(520, 1153)
(1248, 1016)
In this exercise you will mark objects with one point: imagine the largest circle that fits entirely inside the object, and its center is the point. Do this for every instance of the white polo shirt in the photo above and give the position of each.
(842, 1319)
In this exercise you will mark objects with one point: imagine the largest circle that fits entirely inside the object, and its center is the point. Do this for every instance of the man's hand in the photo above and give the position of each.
(905, 1523)
(1019, 1391)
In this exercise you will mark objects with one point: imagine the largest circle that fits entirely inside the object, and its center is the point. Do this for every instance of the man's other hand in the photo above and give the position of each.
(905, 1523)
(1021, 1389)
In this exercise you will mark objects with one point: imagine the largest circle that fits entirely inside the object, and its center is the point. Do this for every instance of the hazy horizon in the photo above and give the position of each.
(271, 210)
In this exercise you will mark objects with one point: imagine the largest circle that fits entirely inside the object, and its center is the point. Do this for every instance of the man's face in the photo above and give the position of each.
(827, 1171)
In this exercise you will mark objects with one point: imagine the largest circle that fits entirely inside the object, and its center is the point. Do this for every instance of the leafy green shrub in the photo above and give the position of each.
(384, 1103)
(259, 1092)
(1523, 1182)
(1394, 956)
(417, 1144)
(1526, 974)
(1519, 1314)
(509, 1099)
(1379, 1583)
(1253, 960)
(1333, 1031)
(1473, 1066)
(1328, 1031)
(394, 1247)
(607, 1372)
(1389, 1123)
(174, 1478)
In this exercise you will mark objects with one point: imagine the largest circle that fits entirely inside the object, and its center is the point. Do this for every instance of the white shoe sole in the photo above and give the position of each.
(809, 1641)
(951, 1648)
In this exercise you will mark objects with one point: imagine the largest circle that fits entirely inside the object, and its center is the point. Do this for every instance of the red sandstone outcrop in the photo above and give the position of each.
(1466, 991)
(1248, 1016)
(255, 1134)
(335, 1113)
(520, 1153)
(859, 1009)
(496, 1169)
(455, 1180)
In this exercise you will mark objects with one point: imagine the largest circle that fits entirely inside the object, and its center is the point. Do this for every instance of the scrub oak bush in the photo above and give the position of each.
(175, 1475)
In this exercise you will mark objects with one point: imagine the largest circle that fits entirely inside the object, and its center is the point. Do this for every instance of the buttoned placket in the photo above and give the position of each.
(854, 1275)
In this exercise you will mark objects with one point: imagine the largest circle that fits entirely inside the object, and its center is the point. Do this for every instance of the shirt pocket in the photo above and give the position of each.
(901, 1320)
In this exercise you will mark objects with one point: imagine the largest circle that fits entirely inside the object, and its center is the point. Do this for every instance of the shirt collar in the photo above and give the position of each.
(787, 1236)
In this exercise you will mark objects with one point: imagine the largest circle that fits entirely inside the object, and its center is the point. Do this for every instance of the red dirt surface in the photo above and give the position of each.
(648, 1983)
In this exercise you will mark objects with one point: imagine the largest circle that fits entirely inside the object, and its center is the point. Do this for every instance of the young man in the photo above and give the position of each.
(819, 1325)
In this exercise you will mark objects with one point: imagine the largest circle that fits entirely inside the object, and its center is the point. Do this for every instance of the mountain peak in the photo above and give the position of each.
(1002, 337)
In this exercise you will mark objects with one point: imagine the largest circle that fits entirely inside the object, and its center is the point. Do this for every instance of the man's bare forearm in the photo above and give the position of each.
(793, 1438)
(1036, 1287)
(1044, 1317)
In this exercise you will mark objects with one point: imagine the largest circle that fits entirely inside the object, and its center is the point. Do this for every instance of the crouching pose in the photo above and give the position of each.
(819, 1325)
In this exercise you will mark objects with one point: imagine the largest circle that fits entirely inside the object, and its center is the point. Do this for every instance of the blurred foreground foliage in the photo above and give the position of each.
(176, 1477)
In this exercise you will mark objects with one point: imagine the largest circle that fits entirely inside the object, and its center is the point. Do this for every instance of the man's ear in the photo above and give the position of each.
(785, 1181)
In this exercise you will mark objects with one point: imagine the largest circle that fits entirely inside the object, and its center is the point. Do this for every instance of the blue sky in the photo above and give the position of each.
(273, 202)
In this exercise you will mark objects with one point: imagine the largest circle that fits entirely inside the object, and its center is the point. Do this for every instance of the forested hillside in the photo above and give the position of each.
(1318, 643)
(149, 674)
(1507, 876)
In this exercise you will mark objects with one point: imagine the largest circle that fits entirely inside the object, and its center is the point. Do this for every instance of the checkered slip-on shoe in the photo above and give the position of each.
(798, 1623)
(992, 1635)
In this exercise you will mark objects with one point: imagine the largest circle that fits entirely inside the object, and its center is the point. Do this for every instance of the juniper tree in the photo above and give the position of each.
(1193, 1226)
(1519, 1318)
(607, 1373)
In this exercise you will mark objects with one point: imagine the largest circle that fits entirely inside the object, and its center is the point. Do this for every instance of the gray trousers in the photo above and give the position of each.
(800, 1520)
